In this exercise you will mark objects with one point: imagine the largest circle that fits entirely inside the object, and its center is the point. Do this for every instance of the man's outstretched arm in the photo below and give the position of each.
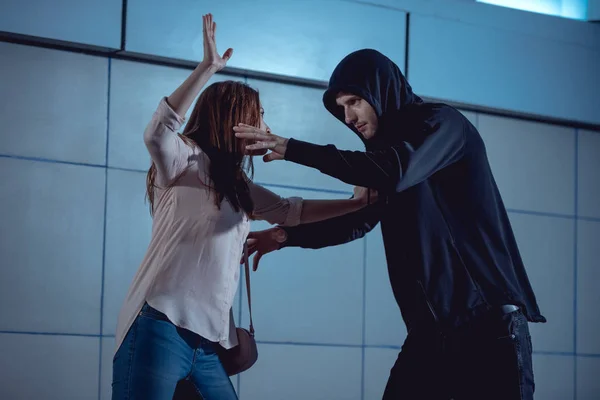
(317, 235)
(333, 232)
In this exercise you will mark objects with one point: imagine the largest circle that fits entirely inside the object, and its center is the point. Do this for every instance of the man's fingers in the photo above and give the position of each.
(261, 145)
(260, 152)
(272, 156)
(256, 261)
(247, 133)
(251, 250)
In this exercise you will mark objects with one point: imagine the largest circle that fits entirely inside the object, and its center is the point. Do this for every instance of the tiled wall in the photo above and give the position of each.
(463, 51)
(75, 227)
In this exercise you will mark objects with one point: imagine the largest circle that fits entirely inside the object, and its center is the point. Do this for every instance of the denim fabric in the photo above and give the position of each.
(156, 355)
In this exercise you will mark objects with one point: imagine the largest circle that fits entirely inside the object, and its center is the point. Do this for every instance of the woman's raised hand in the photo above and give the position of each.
(211, 56)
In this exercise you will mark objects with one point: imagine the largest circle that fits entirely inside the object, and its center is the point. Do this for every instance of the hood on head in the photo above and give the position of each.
(372, 76)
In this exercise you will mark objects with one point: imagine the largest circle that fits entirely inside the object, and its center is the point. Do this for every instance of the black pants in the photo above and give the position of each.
(489, 359)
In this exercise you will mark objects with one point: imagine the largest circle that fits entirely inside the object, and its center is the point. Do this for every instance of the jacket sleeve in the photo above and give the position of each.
(395, 168)
(334, 231)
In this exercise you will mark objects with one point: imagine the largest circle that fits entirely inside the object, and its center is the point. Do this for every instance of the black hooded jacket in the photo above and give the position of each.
(450, 249)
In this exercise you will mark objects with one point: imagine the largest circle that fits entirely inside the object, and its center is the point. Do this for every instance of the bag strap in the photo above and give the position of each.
(247, 268)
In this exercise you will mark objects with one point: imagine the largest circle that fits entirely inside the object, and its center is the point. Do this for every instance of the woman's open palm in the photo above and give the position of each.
(211, 56)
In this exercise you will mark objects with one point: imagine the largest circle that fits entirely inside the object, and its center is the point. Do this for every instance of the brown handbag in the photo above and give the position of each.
(243, 356)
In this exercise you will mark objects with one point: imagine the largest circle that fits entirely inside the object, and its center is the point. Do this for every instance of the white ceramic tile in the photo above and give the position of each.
(533, 163)
(303, 372)
(502, 69)
(378, 364)
(298, 112)
(588, 170)
(588, 295)
(297, 38)
(588, 384)
(547, 245)
(308, 296)
(505, 18)
(56, 104)
(384, 324)
(128, 232)
(471, 116)
(554, 377)
(49, 367)
(136, 91)
(83, 21)
(108, 352)
(52, 236)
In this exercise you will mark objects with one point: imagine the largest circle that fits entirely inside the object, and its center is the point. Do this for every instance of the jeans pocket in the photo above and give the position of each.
(506, 328)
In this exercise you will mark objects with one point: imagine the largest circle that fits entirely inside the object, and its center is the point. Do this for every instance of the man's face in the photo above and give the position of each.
(359, 114)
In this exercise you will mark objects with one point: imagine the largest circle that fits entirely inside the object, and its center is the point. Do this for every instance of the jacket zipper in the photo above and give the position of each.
(433, 313)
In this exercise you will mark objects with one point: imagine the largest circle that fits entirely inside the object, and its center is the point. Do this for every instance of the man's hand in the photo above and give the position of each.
(261, 152)
(263, 242)
(263, 140)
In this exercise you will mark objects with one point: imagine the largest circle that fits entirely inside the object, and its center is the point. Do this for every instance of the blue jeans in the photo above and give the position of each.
(156, 355)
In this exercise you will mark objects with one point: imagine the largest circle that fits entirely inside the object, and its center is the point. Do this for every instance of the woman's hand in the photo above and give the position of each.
(365, 196)
(211, 56)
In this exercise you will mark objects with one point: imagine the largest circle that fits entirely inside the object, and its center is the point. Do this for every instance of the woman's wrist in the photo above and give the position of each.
(207, 66)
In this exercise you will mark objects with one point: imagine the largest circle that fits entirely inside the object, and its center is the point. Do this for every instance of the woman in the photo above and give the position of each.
(178, 309)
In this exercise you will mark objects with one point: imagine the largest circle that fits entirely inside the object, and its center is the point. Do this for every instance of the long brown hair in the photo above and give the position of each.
(220, 107)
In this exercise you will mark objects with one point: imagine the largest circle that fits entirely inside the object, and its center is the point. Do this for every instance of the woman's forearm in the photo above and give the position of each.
(183, 97)
(319, 210)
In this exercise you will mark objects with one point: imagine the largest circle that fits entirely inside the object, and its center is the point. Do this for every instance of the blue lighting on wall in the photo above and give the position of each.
(574, 9)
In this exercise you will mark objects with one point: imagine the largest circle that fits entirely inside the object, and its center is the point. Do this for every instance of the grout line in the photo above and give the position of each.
(90, 335)
(406, 45)
(62, 45)
(242, 273)
(104, 230)
(364, 319)
(383, 346)
(281, 186)
(540, 213)
(308, 344)
(51, 161)
(123, 25)
(556, 353)
(290, 343)
(128, 169)
(575, 260)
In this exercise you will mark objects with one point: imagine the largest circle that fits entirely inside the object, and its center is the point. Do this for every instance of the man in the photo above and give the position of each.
(453, 262)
